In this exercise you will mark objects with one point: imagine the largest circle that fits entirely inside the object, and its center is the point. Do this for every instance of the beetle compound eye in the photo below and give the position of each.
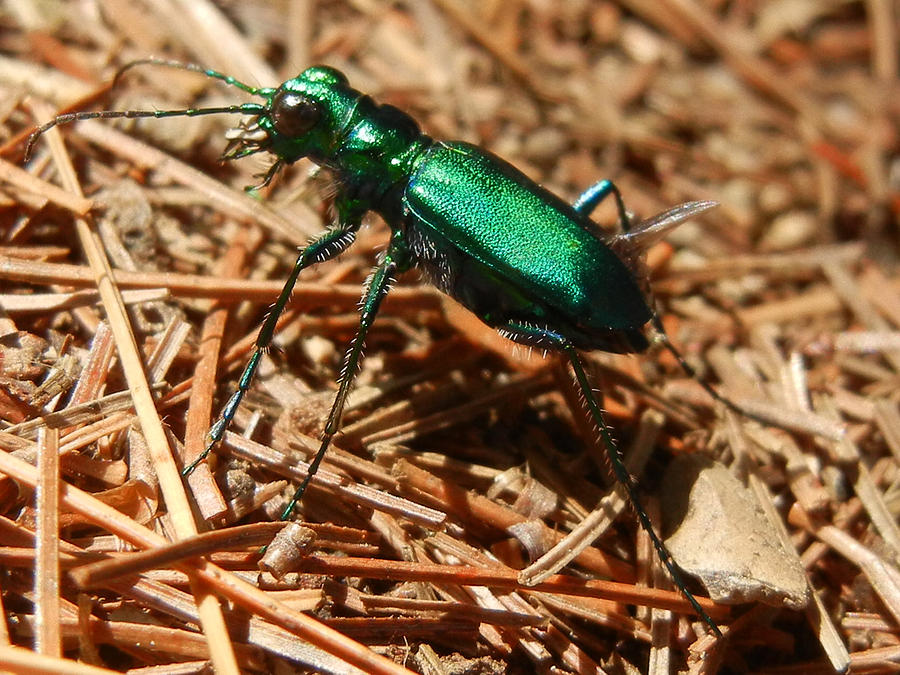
(294, 114)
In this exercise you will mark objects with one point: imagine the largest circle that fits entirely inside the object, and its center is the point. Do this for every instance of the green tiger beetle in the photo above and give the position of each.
(527, 263)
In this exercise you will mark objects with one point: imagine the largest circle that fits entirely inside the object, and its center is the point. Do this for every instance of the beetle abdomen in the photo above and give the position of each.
(523, 239)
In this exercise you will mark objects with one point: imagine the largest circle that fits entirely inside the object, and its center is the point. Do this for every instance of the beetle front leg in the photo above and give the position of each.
(326, 246)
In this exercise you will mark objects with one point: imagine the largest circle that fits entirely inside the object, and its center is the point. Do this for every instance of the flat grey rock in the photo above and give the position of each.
(724, 538)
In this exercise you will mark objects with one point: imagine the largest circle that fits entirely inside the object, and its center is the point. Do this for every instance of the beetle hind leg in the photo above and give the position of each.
(591, 198)
(663, 337)
(557, 342)
(530, 335)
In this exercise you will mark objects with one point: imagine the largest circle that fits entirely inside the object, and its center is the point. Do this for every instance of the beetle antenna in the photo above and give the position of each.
(180, 65)
(241, 109)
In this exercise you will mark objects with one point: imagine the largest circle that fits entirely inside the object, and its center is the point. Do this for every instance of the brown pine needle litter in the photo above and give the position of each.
(135, 269)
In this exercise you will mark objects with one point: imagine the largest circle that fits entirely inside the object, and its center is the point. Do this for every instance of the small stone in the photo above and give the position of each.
(724, 538)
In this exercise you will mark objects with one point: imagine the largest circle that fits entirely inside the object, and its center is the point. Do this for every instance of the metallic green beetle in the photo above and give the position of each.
(523, 260)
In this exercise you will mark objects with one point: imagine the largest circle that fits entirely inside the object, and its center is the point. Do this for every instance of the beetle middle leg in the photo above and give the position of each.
(395, 260)
(548, 339)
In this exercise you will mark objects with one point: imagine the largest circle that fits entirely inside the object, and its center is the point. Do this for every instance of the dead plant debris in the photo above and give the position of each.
(134, 270)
